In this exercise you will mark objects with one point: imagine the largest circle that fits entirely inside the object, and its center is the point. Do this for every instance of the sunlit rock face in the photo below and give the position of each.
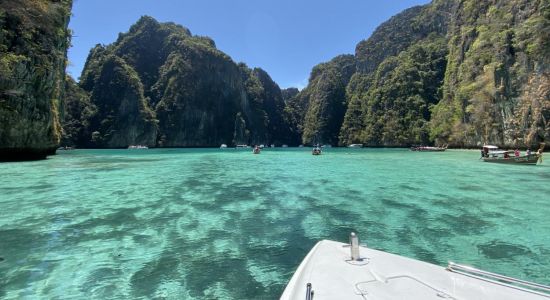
(33, 51)
(159, 85)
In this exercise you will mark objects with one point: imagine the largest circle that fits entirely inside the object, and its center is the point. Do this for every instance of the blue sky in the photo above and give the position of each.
(284, 37)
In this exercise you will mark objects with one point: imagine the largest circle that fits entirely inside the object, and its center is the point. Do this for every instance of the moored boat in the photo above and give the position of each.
(65, 148)
(223, 146)
(428, 148)
(355, 146)
(491, 153)
(334, 270)
(316, 150)
(256, 150)
(137, 147)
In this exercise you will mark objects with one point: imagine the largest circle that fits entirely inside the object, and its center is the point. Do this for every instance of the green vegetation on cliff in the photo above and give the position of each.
(123, 115)
(394, 109)
(159, 85)
(33, 46)
(325, 95)
(462, 73)
(77, 113)
(264, 109)
(497, 82)
(458, 72)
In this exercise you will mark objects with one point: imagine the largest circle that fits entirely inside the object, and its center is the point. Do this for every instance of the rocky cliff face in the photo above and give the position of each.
(267, 104)
(123, 116)
(497, 84)
(316, 113)
(392, 104)
(462, 73)
(325, 95)
(159, 85)
(33, 47)
(385, 99)
(77, 114)
(457, 72)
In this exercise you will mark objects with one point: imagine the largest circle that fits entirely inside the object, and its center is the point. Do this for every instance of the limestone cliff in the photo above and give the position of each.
(265, 100)
(123, 116)
(33, 47)
(174, 89)
(458, 72)
(497, 83)
(326, 94)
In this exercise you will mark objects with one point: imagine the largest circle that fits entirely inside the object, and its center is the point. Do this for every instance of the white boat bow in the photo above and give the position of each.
(376, 275)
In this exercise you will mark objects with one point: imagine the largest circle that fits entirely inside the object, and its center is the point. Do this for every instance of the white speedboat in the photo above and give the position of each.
(223, 146)
(355, 146)
(334, 270)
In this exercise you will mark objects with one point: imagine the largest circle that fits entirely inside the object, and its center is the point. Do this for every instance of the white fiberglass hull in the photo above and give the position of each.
(385, 276)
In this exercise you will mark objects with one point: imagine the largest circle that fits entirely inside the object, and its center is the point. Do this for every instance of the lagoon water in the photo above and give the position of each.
(227, 224)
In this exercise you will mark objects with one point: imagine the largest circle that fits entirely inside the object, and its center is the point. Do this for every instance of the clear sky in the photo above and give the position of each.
(284, 37)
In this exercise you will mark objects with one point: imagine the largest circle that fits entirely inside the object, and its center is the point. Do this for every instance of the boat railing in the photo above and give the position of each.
(519, 284)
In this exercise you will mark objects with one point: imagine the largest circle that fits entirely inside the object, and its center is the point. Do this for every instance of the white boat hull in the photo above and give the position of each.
(384, 276)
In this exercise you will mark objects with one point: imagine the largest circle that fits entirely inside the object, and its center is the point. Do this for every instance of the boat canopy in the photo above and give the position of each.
(490, 147)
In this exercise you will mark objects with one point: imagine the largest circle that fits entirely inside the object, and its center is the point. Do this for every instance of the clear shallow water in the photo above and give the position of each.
(226, 224)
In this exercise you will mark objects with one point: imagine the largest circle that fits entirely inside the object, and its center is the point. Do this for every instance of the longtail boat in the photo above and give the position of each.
(493, 154)
(429, 149)
(316, 150)
(256, 150)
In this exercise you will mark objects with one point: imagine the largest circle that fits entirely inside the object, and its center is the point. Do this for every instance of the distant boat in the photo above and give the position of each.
(326, 146)
(333, 270)
(272, 146)
(316, 150)
(223, 146)
(490, 153)
(242, 146)
(355, 146)
(285, 146)
(137, 147)
(301, 146)
(65, 148)
(428, 149)
(256, 150)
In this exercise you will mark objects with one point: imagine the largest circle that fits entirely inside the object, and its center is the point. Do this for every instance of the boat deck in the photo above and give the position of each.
(384, 276)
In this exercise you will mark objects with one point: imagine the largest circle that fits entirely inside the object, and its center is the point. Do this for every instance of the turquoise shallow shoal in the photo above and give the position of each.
(227, 224)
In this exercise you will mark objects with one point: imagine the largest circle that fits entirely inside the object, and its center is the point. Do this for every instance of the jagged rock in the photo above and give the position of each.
(123, 117)
(322, 103)
(198, 96)
(33, 50)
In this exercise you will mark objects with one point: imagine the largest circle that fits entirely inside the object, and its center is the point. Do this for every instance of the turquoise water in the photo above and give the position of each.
(227, 224)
